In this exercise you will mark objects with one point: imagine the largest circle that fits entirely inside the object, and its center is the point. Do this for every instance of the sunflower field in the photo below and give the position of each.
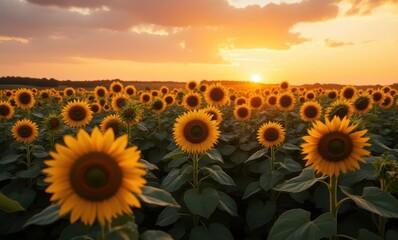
(202, 162)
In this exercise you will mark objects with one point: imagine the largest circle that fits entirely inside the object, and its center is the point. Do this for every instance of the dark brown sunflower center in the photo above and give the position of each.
(255, 102)
(120, 102)
(191, 85)
(271, 134)
(335, 146)
(4, 110)
(155, 93)
(284, 85)
(130, 91)
(117, 88)
(310, 111)
(101, 92)
(8, 94)
(25, 131)
(94, 108)
(348, 93)
(272, 101)
(129, 113)
(196, 131)
(341, 112)
(192, 101)
(146, 98)
(44, 95)
(25, 98)
(164, 90)
(362, 103)
(243, 112)
(168, 99)
(77, 113)
(286, 101)
(217, 94)
(203, 88)
(240, 101)
(114, 124)
(332, 95)
(157, 105)
(54, 123)
(310, 96)
(95, 176)
(386, 101)
(69, 92)
(377, 96)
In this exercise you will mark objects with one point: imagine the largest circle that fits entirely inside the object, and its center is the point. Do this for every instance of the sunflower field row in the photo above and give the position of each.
(201, 162)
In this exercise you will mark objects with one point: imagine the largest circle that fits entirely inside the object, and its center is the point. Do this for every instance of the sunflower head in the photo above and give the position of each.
(332, 94)
(113, 122)
(310, 96)
(116, 87)
(286, 101)
(69, 92)
(215, 114)
(387, 102)
(25, 131)
(192, 100)
(191, 85)
(6, 110)
(164, 90)
(130, 90)
(362, 103)
(242, 112)
(169, 99)
(53, 122)
(335, 146)
(203, 87)
(216, 95)
(24, 98)
(95, 107)
(158, 105)
(146, 98)
(256, 102)
(119, 101)
(310, 111)
(100, 92)
(378, 96)
(271, 134)
(195, 132)
(348, 92)
(240, 101)
(386, 89)
(106, 107)
(77, 113)
(284, 85)
(272, 100)
(339, 108)
(131, 113)
(94, 177)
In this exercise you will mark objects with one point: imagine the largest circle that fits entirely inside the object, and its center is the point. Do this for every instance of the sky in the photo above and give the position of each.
(299, 41)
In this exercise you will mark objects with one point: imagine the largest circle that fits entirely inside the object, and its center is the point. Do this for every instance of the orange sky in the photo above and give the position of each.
(302, 41)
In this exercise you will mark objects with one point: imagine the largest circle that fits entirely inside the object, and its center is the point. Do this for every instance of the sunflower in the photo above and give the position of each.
(69, 92)
(130, 90)
(272, 100)
(191, 85)
(332, 94)
(77, 113)
(340, 108)
(44, 94)
(53, 122)
(169, 99)
(242, 112)
(334, 146)
(240, 101)
(215, 114)
(348, 92)
(378, 96)
(95, 107)
(119, 101)
(24, 98)
(256, 102)
(195, 132)
(131, 113)
(158, 105)
(164, 90)
(386, 89)
(95, 177)
(284, 85)
(155, 93)
(192, 100)
(100, 92)
(112, 121)
(310, 96)
(271, 134)
(116, 87)
(388, 101)
(286, 101)
(145, 98)
(216, 95)
(106, 107)
(362, 103)
(310, 111)
(25, 131)
(6, 110)
(203, 87)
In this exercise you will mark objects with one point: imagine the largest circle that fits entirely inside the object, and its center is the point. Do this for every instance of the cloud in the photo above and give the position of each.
(331, 43)
(365, 7)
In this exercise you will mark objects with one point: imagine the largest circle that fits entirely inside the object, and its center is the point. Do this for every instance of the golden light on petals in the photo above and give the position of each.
(310, 111)
(6, 110)
(77, 113)
(271, 134)
(24, 98)
(25, 131)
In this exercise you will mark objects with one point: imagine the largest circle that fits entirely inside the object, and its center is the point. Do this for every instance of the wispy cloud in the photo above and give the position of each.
(333, 44)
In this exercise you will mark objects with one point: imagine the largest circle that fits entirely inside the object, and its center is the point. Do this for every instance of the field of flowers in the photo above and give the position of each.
(201, 162)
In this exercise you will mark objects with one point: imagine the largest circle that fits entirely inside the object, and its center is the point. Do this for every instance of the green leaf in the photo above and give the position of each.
(257, 155)
(289, 146)
(269, 179)
(227, 150)
(300, 183)
(168, 216)
(10, 158)
(142, 127)
(251, 189)
(365, 234)
(157, 196)
(41, 154)
(227, 204)
(366, 171)
(176, 178)
(177, 153)
(249, 146)
(47, 216)
(9, 205)
(202, 204)
(259, 214)
(148, 165)
(155, 235)
(32, 172)
(73, 231)
(375, 200)
(214, 155)
(219, 175)
(216, 231)
(291, 165)
(295, 224)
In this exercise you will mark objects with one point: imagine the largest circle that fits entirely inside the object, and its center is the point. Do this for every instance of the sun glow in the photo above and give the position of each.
(256, 78)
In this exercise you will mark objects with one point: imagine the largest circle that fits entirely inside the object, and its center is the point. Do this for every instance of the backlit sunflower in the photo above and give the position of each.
(216, 95)
(286, 101)
(334, 146)
(310, 111)
(112, 121)
(53, 122)
(77, 113)
(24, 98)
(271, 134)
(348, 92)
(272, 100)
(145, 98)
(119, 101)
(332, 94)
(362, 103)
(215, 114)
(242, 112)
(69, 91)
(95, 107)
(6, 110)
(240, 101)
(195, 132)
(192, 100)
(95, 177)
(25, 131)
(131, 113)
(158, 105)
(164, 90)
(100, 92)
(130, 90)
(378, 96)
(155, 93)
(256, 102)
(203, 87)
(191, 85)
(116, 87)
(310, 95)
(387, 102)
(340, 108)
(284, 85)
(169, 99)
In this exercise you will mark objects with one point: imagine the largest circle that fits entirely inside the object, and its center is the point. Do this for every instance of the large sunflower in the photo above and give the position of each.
(335, 146)
(25, 131)
(348, 92)
(6, 110)
(164, 90)
(192, 100)
(286, 101)
(310, 95)
(216, 95)
(362, 103)
(271, 134)
(77, 113)
(310, 111)
(95, 177)
(242, 112)
(195, 132)
(24, 98)
(340, 108)
(332, 94)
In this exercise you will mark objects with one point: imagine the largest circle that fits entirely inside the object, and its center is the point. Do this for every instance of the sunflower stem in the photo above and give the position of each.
(272, 159)
(195, 166)
(28, 163)
(52, 139)
(286, 119)
(128, 133)
(382, 220)
(333, 202)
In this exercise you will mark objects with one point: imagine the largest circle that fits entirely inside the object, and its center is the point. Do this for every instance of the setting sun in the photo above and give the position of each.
(256, 78)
